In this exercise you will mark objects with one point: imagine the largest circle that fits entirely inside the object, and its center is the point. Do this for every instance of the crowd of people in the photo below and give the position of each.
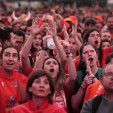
(56, 59)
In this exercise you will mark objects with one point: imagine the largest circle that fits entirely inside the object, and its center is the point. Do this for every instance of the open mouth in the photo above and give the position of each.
(51, 70)
(10, 64)
(96, 42)
(37, 44)
(90, 59)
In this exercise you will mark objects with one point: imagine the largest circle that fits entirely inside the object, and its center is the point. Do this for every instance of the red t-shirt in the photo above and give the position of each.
(44, 107)
(10, 90)
(76, 62)
(105, 53)
(93, 90)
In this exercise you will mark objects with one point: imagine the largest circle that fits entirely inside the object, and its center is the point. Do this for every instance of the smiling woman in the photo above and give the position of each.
(40, 90)
(10, 57)
(12, 83)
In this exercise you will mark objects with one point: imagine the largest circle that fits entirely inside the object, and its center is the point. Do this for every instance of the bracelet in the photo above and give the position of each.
(83, 89)
(69, 55)
(93, 77)
(44, 48)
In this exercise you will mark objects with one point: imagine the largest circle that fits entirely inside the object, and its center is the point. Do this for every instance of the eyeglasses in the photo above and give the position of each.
(109, 74)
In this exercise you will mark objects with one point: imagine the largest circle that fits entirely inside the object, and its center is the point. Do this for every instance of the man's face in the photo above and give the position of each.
(98, 25)
(106, 35)
(110, 23)
(107, 79)
(12, 39)
(18, 42)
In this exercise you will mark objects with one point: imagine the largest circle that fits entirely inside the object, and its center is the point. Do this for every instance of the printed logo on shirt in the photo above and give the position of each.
(59, 99)
(10, 103)
(15, 83)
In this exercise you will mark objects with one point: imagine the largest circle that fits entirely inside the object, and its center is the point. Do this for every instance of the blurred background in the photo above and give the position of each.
(40, 3)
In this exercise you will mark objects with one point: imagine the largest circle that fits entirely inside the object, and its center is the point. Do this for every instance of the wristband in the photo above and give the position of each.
(83, 89)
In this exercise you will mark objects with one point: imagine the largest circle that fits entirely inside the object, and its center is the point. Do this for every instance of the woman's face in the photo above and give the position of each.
(37, 41)
(89, 54)
(52, 67)
(73, 45)
(9, 59)
(40, 87)
(105, 45)
(94, 38)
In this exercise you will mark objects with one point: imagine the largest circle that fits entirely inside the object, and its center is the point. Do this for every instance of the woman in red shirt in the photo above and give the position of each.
(39, 90)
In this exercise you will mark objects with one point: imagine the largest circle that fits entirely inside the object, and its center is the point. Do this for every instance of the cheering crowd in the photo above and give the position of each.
(56, 60)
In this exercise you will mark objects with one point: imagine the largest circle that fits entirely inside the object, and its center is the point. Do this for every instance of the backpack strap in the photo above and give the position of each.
(96, 103)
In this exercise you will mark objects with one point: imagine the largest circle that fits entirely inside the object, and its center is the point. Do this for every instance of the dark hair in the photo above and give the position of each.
(36, 74)
(9, 30)
(29, 24)
(4, 34)
(90, 22)
(87, 33)
(109, 16)
(20, 33)
(103, 70)
(105, 40)
(60, 76)
(1, 21)
(109, 57)
(10, 46)
(82, 65)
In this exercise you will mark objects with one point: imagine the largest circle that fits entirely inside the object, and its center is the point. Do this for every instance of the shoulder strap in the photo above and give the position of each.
(96, 103)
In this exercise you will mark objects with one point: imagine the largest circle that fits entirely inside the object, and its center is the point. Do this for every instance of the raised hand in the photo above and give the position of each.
(87, 81)
(51, 28)
(88, 68)
(35, 26)
(74, 29)
(66, 46)
(66, 36)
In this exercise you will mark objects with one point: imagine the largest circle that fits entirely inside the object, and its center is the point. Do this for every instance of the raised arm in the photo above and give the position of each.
(76, 99)
(26, 49)
(43, 52)
(66, 36)
(70, 81)
(74, 32)
(52, 31)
